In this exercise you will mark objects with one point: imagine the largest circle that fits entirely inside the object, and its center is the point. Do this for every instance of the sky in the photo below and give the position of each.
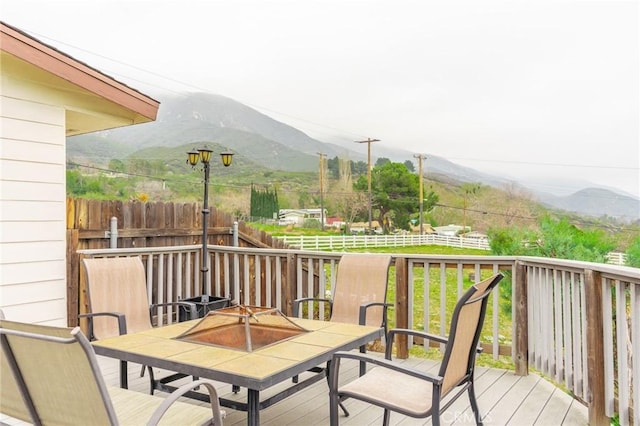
(544, 90)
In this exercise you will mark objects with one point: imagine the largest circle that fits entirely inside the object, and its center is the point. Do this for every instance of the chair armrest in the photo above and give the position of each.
(122, 321)
(362, 317)
(217, 414)
(416, 333)
(408, 332)
(297, 302)
(380, 362)
(190, 306)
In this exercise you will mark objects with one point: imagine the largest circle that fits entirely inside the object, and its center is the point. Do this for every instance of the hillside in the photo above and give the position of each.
(596, 202)
(262, 143)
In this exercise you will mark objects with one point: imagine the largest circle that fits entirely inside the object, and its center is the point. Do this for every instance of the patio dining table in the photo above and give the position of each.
(256, 371)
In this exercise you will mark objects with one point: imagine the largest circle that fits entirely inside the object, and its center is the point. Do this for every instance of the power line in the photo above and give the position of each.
(533, 163)
(343, 131)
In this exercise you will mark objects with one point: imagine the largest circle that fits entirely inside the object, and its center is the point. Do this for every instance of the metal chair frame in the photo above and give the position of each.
(452, 380)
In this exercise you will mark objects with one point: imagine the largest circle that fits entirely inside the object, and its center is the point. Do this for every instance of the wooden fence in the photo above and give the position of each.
(143, 225)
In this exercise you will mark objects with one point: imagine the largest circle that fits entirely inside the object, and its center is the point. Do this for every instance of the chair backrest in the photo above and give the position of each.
(466, 326)
(50, 375)
(361, 278)
(117, 284)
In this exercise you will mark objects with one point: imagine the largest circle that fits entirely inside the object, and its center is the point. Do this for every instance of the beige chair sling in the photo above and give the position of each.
(414, 393)
(360, 295)
(360, 291)
(50, 376)
(118, 302)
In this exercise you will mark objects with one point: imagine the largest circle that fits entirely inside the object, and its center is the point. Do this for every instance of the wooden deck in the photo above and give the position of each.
(504, 399)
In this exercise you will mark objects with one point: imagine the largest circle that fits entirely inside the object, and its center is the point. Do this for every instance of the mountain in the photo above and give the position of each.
(596, 202)
(202, 118)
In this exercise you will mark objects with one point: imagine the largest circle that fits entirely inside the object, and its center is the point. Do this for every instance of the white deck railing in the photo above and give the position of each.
(577, 322)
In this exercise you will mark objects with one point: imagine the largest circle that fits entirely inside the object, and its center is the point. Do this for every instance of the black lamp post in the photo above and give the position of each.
(204, 156)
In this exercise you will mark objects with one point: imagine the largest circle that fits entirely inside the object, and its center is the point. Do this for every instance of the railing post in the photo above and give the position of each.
(595, 348)
(521, 320)
(290, 284)
(401, 306)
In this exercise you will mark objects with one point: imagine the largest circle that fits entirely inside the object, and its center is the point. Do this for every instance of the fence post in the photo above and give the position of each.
(401, 305)
(74, 296)
(595, 348)
(521, 320)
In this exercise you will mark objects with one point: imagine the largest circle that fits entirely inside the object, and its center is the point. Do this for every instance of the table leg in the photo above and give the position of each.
(253, 407)
(124, 375)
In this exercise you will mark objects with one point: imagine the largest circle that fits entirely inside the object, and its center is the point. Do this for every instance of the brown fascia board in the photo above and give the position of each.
(50, 59)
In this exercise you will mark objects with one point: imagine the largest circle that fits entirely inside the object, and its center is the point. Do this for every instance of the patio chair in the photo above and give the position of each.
(118, 304)
(360, 292)
(415, 393)
(50, 376)
(360, 297)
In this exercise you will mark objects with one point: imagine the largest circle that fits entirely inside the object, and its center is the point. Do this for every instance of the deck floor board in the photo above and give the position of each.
(503, 398)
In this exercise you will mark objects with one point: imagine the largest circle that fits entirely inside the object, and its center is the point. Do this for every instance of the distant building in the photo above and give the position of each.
(426, 228)
(476, 235)
(450, 230)
(362, 227)
(298, 216)
(334, 221)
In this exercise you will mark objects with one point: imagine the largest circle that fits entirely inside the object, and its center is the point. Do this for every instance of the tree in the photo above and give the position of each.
(429, 200)
(556, 238)
(409, 165)
(394, 193)
(382, 161)
(117, 165)
(358, 168)
(263, 203)
(342, 199)
(333, 167)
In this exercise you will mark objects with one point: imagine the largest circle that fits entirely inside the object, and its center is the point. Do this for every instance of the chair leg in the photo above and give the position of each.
(152, 381)
(334, 401)
(344, 409)
(474, 404)
(327, 369)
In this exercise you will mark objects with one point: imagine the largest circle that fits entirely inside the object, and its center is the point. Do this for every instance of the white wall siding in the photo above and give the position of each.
(32, 207)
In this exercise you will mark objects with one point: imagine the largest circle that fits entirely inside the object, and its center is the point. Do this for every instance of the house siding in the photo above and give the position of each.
(32, 206)
(45, 96)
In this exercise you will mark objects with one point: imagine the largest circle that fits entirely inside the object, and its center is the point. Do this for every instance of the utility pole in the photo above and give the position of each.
(420, 157)
(321, 190)
(368, 142)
